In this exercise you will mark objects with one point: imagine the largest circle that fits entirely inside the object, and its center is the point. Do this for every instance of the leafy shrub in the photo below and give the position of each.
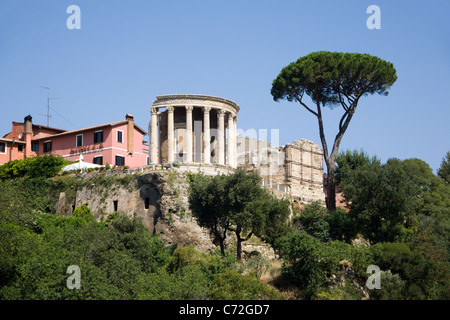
(184, 256)
(188, 283)
(347, 292)
(231, 285)
(111, 258)
(361, 257)
(84, 213)
(391, 287)
(111, 217)
(258, 265)
(424, 277)
(302, 261)
(35, 167)
(312, 221)
(176, 163)
(341, 225)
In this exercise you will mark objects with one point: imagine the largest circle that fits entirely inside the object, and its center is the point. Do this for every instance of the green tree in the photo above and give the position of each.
(389, 201)
(444, 169)
(276, 223)
(425, 277)
(313, 222)
(330, 79)
(303, 261)
(209, 204)
(341, 225)
(382, 198)
(349, 161)
(247, 217)
(237, 202)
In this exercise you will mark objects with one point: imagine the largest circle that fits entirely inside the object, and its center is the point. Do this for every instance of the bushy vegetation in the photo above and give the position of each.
(397, 218)
(35, 167)
(118, 260)
(401, 208)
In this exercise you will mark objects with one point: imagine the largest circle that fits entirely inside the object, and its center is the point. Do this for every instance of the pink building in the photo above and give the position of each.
(118, 143)
(13, 145)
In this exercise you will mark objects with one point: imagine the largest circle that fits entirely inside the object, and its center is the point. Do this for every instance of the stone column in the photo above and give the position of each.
(231, 143)
(221, 138)
(154, 136)
(189, 134)
(235, 141)
(206, 136)
(170, 133)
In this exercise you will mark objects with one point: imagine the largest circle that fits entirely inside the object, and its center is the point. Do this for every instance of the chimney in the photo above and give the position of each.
(28, 132)
(130, 133)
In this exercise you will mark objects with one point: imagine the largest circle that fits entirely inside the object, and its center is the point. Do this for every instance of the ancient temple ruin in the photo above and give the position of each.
(199, 133)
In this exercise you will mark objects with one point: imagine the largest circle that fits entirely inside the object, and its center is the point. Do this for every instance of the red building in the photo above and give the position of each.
(117, 143)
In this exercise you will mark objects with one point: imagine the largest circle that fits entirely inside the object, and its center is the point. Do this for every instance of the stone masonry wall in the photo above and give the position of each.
(295, 169)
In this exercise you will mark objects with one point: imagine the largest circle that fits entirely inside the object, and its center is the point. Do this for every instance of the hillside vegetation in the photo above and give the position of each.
(397, 218)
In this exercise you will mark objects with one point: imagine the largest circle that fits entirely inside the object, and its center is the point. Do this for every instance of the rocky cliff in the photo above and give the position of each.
(159, 198)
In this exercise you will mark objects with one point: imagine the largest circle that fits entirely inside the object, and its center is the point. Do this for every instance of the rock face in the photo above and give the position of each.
(159, 198)
(346, 277)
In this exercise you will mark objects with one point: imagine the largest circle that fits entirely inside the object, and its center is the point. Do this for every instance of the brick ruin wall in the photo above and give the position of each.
(295, 169)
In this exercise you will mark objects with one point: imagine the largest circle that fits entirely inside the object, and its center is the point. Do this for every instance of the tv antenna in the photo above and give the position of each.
(48, 105)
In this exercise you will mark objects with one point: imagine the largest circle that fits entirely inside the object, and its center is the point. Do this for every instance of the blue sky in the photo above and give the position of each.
(128, 52)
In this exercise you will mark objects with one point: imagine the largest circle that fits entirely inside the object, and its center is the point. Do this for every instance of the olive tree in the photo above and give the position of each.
(237, 202)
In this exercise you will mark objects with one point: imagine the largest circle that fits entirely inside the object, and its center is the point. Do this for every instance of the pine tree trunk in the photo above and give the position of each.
(331, 191)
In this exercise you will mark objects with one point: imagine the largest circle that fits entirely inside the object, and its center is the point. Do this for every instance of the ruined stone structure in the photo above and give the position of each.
(199, 133)
(295, 169)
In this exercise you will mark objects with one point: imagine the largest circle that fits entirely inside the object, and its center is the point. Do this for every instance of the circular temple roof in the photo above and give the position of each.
(195, 100)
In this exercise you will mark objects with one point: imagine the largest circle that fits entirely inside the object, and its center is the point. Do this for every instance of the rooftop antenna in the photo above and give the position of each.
(48, 104)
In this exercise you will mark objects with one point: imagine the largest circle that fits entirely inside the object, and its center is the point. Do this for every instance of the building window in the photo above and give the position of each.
(98, 160)
(79, 140)
(120, 161)
(98, 137)
(119, 136)
(116, 205)
(3, 147)
(47, 146)
(20, 147)
(35, 147)
(148, 161)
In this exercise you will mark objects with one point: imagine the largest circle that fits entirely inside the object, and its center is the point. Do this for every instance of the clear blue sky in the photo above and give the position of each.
(128, 52)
